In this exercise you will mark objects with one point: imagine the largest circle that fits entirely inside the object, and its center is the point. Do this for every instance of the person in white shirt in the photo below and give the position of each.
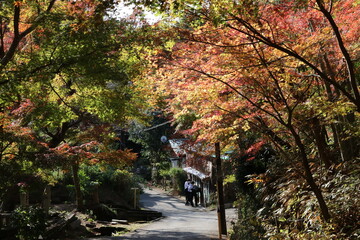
(191, 195)
(187, 193)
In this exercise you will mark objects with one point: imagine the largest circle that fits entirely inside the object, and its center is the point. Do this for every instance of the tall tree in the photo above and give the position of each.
(74, 75)
(270, 67)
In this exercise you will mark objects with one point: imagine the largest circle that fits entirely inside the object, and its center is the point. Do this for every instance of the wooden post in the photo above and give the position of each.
(202, 200)
(5, 220)
(220, 193)
(24, 198)
(135, 197)
(95, 193)
(46, 199)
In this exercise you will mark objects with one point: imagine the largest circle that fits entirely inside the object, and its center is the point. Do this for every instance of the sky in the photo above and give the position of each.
(123, 11)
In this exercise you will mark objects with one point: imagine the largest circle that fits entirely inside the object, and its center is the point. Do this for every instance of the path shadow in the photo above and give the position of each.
(160, 235)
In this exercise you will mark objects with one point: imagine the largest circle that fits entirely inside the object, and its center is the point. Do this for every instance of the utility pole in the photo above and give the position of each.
(220, 193)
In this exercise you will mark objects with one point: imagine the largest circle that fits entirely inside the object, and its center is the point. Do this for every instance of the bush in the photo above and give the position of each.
(29, 223)
(175, 177)
(248, 226)
(120, 181)
(178, 177)
(114, 184)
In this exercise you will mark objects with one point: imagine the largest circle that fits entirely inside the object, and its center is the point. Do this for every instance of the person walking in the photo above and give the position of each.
(186, 190)
(195, 191)
(191, 195)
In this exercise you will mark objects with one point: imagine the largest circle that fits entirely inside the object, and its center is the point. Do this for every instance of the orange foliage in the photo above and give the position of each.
(231, 81)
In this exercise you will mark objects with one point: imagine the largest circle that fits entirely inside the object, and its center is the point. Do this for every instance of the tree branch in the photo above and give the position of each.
(260, 37)
(349, 63)
(19, 36)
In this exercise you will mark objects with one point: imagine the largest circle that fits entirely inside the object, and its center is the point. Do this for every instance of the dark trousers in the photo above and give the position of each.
(189, 198)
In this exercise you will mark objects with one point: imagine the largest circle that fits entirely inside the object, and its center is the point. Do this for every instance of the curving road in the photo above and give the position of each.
(179, 221)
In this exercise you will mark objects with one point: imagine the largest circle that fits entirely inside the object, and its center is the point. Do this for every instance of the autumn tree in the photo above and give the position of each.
(91, 153)
(69, 77)
(285, 70)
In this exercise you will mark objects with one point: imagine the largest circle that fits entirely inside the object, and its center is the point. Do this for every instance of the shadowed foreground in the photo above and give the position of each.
(179, 221)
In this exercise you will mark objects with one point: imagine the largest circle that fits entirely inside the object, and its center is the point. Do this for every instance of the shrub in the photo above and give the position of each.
(248, 226)
(123, 181)
(178, 177)
(114, 184)
(29, 223)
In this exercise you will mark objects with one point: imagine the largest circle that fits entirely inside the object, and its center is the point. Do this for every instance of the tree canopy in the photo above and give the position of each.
(66, 84)
(285, 72)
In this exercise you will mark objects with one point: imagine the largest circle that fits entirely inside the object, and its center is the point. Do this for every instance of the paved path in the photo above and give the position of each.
(179, 221)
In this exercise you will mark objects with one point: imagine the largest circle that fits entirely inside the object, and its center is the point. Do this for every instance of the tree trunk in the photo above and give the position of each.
(335, 135)
(309, 177)
(347, 143)
(321, 144)
(350, 66)
(78, 194)
(343, 141)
